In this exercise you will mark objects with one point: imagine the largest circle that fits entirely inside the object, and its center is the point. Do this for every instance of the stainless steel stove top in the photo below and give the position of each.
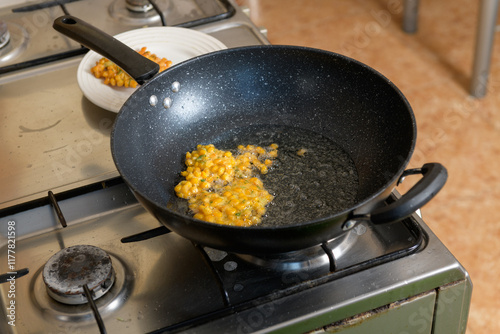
(168, 284)
(57, 171)
(33, 39)
(53, 137)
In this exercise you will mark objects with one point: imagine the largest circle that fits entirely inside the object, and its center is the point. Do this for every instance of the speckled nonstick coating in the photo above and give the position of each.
(320, 91)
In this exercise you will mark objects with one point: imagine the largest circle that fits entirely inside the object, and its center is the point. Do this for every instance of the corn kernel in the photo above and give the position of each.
(223, 189)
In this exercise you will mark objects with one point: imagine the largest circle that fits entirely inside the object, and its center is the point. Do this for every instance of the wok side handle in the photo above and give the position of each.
(138, 67)
(434, 176)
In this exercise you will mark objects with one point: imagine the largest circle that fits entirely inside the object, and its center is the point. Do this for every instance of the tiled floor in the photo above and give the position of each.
(432, 68)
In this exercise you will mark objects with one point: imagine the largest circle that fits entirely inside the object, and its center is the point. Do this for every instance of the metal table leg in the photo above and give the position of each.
(488, 11)
(410, 16)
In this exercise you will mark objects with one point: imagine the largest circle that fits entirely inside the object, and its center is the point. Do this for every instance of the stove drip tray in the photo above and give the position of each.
(69, 269)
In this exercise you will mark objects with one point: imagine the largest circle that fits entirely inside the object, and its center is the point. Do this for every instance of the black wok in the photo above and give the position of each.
(290, 87)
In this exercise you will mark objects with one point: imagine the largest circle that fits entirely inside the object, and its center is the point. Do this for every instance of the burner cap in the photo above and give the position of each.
(4, 34)
(139, 6)
(138, 13)
(69, 269)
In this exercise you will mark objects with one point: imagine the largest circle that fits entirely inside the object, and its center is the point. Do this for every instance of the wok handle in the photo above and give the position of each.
(138, 67)
(434, 176)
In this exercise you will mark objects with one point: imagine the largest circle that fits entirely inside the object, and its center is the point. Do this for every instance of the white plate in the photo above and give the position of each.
(175, 44)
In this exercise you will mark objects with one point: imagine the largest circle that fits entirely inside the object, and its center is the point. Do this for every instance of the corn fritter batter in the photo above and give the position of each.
(222, 188)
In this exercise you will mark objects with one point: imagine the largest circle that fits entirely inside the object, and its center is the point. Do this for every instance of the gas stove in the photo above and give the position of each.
(79, 254)
(165, 283)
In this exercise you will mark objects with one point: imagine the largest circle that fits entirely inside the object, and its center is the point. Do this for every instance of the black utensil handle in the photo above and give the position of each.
(434, 176)
(138, 67)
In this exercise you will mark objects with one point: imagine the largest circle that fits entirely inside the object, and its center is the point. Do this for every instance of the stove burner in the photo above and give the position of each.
(137, 12)
(13, 41)
(139, 6)
(310, 258)
(4, 34)
(69, 269)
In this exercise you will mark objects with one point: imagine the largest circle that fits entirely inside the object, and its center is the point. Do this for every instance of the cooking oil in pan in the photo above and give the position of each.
(312, 177)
